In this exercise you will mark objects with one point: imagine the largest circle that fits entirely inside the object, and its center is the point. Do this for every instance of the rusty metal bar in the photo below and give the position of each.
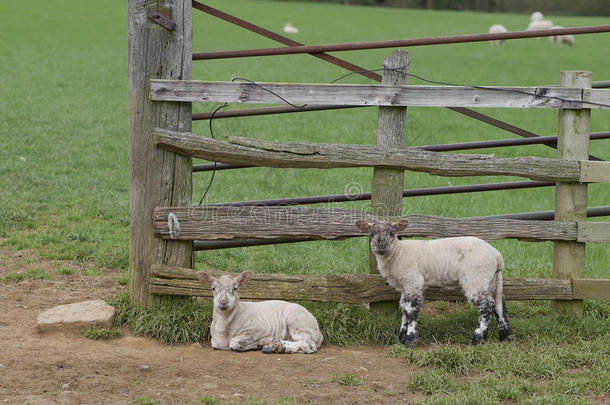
(225, 244)
(417, 192)
(546, 140)
(397, 43)
(266, 111)
(281, 39)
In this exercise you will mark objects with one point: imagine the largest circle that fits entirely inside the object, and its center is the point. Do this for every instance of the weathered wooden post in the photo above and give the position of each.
(386, 193)
(160, 46)
(571, 198)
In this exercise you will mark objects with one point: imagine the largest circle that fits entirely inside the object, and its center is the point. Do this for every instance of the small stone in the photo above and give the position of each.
(22, 158)
(65, 387)
(145, 367)
(77, 317)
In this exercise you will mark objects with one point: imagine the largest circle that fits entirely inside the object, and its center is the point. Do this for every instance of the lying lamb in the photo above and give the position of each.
(412, 265)
(273, 326)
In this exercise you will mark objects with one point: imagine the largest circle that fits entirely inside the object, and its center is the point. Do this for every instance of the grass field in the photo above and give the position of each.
(64, 173)
(64, 167)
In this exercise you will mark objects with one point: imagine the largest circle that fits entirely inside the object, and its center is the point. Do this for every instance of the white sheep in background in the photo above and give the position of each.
(538, 25)
(290, 29)
(497, 29)
(536, 16)
(562, 39)
(412, 265)
(273, 326)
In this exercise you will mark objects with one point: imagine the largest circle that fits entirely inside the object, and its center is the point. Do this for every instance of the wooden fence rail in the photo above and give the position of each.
(378, 95)
(215, 223)
(324, 156)
(363, 288)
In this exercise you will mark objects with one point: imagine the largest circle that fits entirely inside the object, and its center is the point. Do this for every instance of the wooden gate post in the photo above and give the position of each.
(571, 198)
(157, 177)
(386, 193)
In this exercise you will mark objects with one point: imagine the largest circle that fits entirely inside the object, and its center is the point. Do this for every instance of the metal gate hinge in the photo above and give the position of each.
(156, 17)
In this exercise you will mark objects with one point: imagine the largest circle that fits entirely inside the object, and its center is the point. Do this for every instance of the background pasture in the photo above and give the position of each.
(64, 164)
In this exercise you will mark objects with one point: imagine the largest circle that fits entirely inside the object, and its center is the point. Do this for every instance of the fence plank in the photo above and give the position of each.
(214, 223)
(365, 95)
(347, 288)
(594, 172)
(249, 151)
(597, 96)
(593, 232)
(591, 289)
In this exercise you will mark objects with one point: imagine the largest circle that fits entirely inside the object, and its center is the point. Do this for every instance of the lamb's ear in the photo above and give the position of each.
(243, 277)
(205, 277)
(364, 226)
(400, 225)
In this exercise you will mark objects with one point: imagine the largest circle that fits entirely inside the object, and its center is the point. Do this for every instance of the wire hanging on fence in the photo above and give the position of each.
(472, 86)
(214, 170)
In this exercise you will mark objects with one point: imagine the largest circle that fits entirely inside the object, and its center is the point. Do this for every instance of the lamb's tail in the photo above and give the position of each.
(504, 329)
(499, 289)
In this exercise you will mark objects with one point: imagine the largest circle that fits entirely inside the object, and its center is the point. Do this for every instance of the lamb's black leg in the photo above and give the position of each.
(504, 329)
(485, 304)
(409, 307)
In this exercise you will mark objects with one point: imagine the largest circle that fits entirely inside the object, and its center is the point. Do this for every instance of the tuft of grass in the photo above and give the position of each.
(96, 333)
(14, 277)
(209, 400)
(171, 320)
(347, 379)
(35, 274)
(122, 278)
(432, 381)
(144, 401)
(64, 271)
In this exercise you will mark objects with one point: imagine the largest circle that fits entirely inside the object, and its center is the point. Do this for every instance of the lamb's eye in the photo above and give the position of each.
(392, 234)
(234, 289)
(213, 288)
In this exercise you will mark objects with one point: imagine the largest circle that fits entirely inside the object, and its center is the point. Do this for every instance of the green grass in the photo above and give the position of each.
(64, 271)
(347, 379)
(31, 274)
(96, 333)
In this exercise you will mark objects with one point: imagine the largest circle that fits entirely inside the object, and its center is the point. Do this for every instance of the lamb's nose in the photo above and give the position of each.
(223, 302)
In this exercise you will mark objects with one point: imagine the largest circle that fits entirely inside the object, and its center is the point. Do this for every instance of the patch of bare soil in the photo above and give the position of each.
(65, 369)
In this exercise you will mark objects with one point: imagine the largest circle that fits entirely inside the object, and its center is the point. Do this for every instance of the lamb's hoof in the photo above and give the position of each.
(403, 336)
(411, 343)
(508, 338)
(273, 347)
(477, 340)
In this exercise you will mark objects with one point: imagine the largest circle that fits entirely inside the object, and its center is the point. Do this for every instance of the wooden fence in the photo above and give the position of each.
(164, 223)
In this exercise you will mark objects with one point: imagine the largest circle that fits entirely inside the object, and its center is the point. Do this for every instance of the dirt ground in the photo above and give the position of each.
(66, 369)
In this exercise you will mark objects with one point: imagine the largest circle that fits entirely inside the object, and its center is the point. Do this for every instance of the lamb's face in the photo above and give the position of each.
(383, 237)
(225, 293)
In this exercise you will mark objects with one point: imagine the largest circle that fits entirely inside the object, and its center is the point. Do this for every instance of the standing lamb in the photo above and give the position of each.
(537, 25)
(536, 16)
(562, 39)
(273, 326)
(412, 265)
(497, 29)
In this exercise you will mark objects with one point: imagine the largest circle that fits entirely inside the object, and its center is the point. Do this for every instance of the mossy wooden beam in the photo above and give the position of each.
(217, 223)
(250, 151)
(345, 288)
